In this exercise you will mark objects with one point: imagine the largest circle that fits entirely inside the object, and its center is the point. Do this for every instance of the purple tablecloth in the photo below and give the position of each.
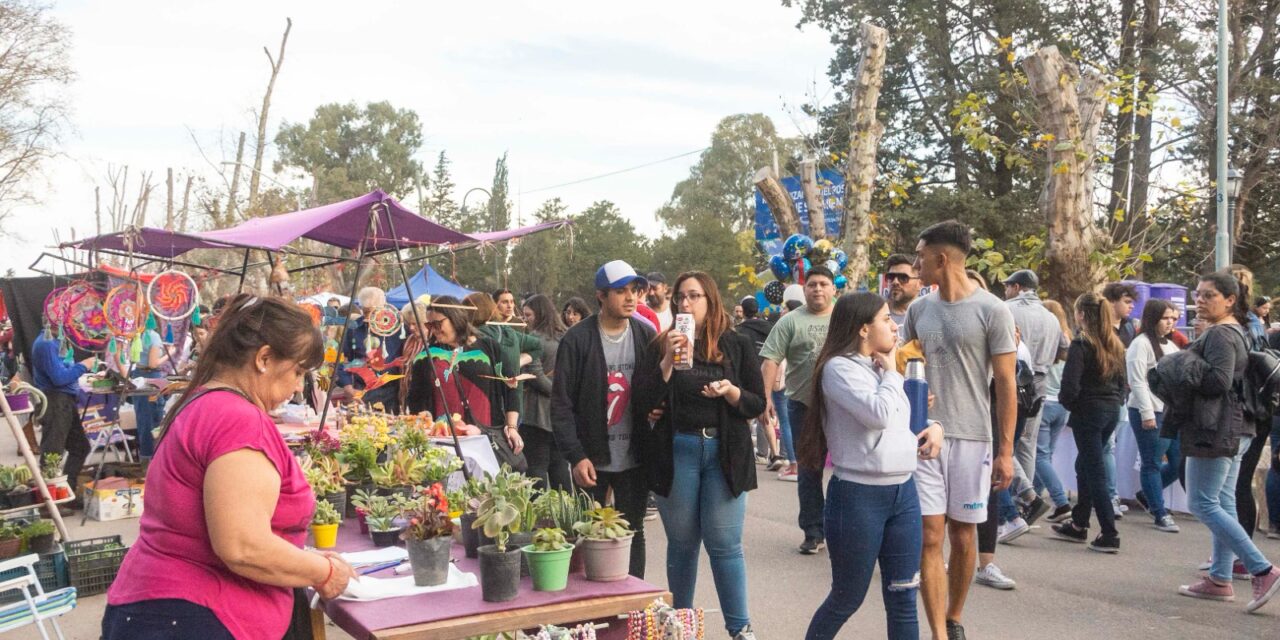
(361, 618)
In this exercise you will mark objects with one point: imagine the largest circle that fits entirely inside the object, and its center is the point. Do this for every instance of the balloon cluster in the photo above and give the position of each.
(799, 254)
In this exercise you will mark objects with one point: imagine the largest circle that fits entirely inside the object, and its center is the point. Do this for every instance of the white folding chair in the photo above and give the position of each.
(34, 607)
(104, 434)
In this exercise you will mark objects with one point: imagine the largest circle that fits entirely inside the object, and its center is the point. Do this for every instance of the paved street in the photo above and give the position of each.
(1064, 590)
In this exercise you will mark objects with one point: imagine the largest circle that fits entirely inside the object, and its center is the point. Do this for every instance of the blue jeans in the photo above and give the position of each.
(866, 523)
(1109, 454)
(701, 510)
(1273, 478)
(1008, 510)
(1053, 417)
(808, 483)
(780, 407)
(1092, 428)
(1211, 496)
(148, 414)
(1156, 474)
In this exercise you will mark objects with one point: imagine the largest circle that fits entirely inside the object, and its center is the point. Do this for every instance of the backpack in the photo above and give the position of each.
(1029, 400)
(1261, 391)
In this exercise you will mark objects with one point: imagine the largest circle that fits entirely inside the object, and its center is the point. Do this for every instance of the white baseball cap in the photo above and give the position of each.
(616, 275)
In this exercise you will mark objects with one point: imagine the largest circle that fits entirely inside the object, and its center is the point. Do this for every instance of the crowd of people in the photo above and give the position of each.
(607, 397)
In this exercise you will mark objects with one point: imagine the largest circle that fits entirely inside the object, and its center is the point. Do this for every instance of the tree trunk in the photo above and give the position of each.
(813, 198)
(864, 138)
(97, 209)
(1148, 62)
(168, 209)
(1121, 167)
(235, 183)
(260, 145)
(779, 201)
(1071, 109)
(186, 208)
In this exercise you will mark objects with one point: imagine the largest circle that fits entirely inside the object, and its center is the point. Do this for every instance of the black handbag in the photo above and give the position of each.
(497, 439)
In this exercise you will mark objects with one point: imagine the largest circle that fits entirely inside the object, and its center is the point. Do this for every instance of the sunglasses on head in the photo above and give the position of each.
(900, 277)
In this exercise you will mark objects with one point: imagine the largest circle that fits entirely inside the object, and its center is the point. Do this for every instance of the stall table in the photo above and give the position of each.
(462, 613)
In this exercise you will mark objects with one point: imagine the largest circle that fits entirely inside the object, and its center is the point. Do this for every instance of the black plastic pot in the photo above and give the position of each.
(470, 537)
(519, 540)
(42, 544)
(20, 497)
(499, 573)
(351, 491)
(385, 538)
(339, 501)
(429, 560)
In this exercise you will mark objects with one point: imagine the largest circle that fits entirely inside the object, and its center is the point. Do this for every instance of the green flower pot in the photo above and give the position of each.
(549, 569)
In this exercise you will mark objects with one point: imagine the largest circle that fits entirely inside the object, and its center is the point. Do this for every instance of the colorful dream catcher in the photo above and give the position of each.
(85, 324)
(172, 295)
(126, 310)
(385, 322)
(56, 303)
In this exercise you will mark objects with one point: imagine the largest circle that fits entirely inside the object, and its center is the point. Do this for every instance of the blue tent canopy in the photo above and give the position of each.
(426, 281)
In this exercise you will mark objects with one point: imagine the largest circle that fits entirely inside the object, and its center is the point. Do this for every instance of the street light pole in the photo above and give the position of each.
(1222, 241)
(1234, 182)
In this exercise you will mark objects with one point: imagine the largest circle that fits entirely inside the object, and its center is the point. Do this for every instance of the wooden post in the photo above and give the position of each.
(784, 210)
(813, 198)
(1071, 107)
(864, 139)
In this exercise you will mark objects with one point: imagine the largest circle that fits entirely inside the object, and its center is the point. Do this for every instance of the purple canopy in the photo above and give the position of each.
(146, 241)
(498, 236)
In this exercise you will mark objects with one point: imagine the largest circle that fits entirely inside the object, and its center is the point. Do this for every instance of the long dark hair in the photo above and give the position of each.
(1097, 330)
(546, 321)
(1152, 316)
(714, 325)
(246, 324)
(1234, 282)
(459, 318)
(578, 305)
(851, 312)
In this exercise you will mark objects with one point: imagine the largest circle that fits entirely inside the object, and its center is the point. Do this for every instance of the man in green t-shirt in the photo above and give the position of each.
(798, 338)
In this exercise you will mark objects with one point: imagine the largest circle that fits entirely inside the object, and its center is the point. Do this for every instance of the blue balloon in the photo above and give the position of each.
(841, 258)
(796, 246)
(833, 266)
(780, 267)
(841, 282)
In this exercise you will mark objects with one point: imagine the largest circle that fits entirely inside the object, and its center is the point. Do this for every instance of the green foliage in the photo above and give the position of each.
(562, 509)
(505, 506)
(352, 150)
(321, 483)
(325, 514)
(38, 528)
(14, 476)
(401, 469)
(51, 465)
(563, 263)
(604, 523)
(550, 539)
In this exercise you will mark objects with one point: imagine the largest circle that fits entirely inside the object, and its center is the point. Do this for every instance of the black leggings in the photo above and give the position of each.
(1246, 508)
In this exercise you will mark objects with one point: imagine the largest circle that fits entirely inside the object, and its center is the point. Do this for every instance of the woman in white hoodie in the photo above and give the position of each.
(860, 413)
(1146, 411)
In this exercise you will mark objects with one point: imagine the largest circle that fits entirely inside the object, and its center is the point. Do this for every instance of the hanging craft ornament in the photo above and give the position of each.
(125, 309)
(58, 300)
(86, 323)
(384, 321)
(172, 295)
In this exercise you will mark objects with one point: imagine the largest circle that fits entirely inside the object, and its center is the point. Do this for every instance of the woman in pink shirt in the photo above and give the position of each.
(219, 552)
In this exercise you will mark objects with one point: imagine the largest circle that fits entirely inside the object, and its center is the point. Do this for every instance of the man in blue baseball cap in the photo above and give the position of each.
(597, 428)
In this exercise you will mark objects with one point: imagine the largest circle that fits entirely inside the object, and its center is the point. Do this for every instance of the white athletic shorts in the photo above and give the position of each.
(958, 482)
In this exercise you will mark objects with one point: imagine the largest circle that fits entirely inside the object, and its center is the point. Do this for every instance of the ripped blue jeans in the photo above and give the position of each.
(866, 524)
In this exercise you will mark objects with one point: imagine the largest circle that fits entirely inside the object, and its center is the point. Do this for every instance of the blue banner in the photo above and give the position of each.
(832, 183)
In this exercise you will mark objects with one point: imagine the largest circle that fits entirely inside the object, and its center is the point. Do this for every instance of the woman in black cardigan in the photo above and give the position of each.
(703, 462)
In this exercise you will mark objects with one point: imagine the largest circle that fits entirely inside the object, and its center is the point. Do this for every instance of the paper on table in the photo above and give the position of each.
(373, 556)
(366, 588)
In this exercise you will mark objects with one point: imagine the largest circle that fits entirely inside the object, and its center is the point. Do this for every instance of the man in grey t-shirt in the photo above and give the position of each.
(967, 336)
(620, 364)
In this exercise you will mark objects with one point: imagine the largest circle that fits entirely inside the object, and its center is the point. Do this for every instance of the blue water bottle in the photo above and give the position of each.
(917, 389)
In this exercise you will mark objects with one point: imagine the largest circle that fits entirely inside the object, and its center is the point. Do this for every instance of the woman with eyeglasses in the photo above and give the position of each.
(703, 464)
(457, 373)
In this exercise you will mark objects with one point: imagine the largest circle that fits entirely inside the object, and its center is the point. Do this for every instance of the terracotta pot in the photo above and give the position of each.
(11, 546)
(607, 560)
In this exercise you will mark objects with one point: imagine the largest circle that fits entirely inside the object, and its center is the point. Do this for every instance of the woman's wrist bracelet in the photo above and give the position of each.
(328, 577)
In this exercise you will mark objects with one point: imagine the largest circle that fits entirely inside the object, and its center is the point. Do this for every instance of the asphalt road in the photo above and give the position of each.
(1064, 591)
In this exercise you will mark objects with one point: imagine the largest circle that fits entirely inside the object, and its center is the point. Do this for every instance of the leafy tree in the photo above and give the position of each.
(350, 151)
(439, 205)
(563, 263)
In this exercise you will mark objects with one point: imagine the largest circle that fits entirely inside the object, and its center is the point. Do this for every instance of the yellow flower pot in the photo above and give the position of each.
(326, 535)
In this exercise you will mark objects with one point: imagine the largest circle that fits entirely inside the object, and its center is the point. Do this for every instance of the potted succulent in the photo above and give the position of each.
(500, 508)
(439, 463)
(326, 491)
(399, 473)
(428, 536)
(564, 510)
(470, 494)
(39, 536)
(324, 525)
(606, 542)
(10, 540)
(549, 559)
(358, 456)
(51, 468)
(359, 502)
(381, 517)
(13, 482)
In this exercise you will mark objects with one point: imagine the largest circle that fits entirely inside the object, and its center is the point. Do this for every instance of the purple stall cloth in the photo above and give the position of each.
(360, 619)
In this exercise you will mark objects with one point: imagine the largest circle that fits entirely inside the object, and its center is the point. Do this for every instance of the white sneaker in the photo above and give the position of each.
(1011, 530)
(1273, 534)
(789, 475)
(745, 633)
(1118, 509)
(991, 576)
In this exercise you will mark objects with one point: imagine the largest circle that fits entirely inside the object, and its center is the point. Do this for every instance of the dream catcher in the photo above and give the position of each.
(383, 322)
(126, 310)
(56, 303)
(172, 295)
(85, 324)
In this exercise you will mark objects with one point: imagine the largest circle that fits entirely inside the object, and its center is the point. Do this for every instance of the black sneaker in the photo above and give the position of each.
(1035, 510)
(1142, 500)
(1105, 544)
(954, 630)
(1070, 532)
(1060, 514)
(811, 546)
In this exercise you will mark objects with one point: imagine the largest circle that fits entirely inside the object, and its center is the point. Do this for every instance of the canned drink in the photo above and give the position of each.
(683, 323)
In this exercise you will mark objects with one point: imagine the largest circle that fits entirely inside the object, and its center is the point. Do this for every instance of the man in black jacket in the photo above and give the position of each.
(597, 428)
(757, 329)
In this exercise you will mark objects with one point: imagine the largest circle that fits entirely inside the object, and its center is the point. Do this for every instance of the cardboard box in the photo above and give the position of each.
(113, 499)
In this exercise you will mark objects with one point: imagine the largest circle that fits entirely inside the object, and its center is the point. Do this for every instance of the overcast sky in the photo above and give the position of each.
(569, 89)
